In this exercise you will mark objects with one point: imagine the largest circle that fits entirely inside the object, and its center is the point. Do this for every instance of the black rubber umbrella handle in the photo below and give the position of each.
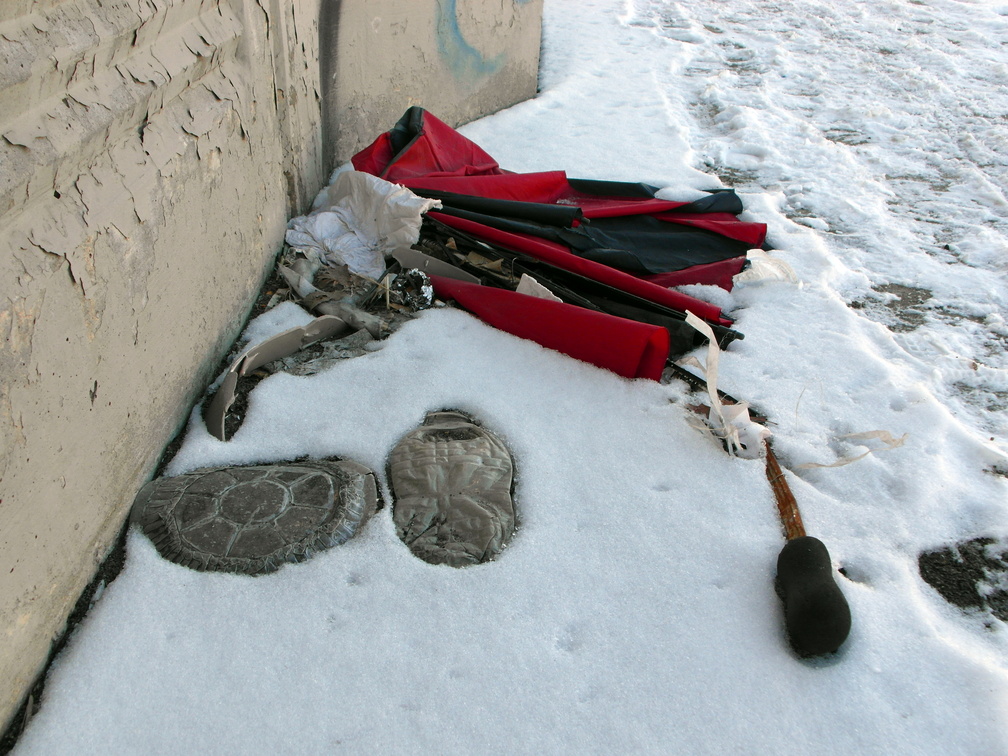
(816, 613)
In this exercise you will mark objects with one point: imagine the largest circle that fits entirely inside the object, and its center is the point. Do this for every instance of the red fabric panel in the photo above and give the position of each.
(547, 187)
(613, 207)
(626, 347)
(439, 150)
(560, 256)
(441, 159)
(725, 224)
(373, 158)
(720, 273)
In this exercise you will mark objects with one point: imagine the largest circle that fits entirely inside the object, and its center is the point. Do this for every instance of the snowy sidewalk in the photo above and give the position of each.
(634, 610)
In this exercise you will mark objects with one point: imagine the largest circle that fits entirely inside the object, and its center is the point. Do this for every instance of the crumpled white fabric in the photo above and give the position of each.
(361, 219)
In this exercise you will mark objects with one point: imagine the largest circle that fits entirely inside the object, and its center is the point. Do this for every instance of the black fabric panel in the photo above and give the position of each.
(407, 128)
(535, 212)
(613, 188)
(638, 244)
(585, 246)
(718, 201)
(656, 246)
(511, 225)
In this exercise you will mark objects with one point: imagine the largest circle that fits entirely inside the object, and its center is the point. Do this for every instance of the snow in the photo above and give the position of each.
(634, 610)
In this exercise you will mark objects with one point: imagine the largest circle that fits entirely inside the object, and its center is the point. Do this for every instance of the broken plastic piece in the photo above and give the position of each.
(411, 258)
(452, 482)
(253, 358)
(729, 422)
(528, 285)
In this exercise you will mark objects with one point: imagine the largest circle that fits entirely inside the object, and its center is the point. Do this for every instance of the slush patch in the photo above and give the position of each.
(900, 308)
(972, 574)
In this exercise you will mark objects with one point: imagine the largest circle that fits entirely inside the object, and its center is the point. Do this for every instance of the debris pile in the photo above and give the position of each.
(425, 218)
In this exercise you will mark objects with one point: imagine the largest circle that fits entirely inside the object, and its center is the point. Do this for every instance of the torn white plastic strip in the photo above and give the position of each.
(749, 433)
(710, 371)
(889, 441)
(731, 423)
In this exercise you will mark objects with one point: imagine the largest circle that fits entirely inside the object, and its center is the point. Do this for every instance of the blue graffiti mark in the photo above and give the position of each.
(465, 61)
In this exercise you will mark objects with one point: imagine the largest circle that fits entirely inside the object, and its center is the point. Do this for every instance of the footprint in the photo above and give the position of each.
(355, 578)
(571, 638)
(856, 573)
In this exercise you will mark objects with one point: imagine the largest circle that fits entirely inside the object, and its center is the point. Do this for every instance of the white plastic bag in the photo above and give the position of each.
(361, 219)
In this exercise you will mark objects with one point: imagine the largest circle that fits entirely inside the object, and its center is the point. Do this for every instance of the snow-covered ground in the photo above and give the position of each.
(634, 610)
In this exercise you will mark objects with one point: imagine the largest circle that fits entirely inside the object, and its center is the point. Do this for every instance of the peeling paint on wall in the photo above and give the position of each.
(142, 198)
(17, 325)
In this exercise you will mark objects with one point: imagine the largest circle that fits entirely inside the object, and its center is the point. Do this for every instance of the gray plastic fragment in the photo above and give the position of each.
(253, 358)
(452, 483)
(254, 519)
(411, 258)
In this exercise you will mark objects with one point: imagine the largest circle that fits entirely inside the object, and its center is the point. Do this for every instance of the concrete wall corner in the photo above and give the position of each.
(150, 157)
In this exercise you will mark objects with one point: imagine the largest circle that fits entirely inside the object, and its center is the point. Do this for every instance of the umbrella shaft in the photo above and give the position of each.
(787, 507)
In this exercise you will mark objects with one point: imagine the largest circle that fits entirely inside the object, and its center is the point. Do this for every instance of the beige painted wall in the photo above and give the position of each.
(144, 164)
(151, 152)
(459, 60)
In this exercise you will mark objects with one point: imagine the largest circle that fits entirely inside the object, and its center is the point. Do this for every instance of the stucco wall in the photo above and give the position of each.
(151, 152)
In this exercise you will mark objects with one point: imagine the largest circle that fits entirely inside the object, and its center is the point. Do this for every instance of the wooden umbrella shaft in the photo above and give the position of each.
(790, 517)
